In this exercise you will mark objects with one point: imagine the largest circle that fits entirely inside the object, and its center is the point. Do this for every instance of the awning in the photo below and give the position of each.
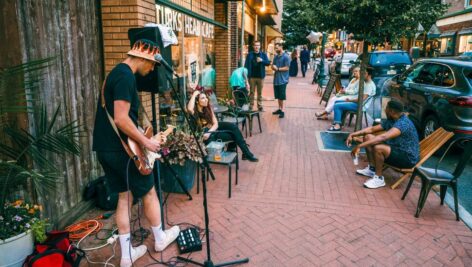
(447, 34)
(272, 32)
(266, 19)
(434, 32)
(465, 31)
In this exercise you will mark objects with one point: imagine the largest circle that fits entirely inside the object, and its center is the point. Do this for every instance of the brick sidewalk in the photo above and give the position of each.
(301, 207)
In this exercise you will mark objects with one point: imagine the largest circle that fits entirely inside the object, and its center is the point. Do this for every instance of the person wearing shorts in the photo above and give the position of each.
(280, 66)
(118, 106)
(398, 146)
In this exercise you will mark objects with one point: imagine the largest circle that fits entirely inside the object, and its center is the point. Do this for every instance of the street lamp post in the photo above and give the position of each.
(322, 75)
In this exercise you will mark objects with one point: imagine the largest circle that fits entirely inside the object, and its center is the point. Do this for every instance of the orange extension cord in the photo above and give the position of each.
(81, 229)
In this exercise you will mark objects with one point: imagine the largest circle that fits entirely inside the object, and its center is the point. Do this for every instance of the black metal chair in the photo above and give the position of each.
(430, 177)
(242, 103)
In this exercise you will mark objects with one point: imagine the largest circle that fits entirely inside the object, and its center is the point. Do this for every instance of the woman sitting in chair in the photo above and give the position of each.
(199, 107)
(349, 92)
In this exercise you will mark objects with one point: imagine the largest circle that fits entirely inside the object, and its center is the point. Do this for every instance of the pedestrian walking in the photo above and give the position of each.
(255, 65)
(293, 70)
(280, 66)
(304, 59)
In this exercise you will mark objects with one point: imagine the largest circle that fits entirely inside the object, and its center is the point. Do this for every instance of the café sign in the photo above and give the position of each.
(180, 22)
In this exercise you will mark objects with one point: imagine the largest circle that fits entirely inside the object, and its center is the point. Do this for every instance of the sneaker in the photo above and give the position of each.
(137, 253)
(281, 114)
(375, 182)
(366, 172)
(260, 109)
(171, 235)
(251, 158)
(277, 112)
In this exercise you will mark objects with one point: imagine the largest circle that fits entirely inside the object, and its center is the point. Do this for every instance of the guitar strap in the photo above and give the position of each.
(112, 122)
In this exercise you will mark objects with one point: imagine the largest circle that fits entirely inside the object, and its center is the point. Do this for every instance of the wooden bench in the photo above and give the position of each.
(428, 147)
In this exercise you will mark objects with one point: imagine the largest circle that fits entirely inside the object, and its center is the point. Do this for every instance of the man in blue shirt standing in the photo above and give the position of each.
(256, 61)
(398, 146)
(280, 66)
(304, 59)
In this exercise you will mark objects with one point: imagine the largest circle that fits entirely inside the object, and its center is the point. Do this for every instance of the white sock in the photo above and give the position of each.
(159, 235)
(125, 243)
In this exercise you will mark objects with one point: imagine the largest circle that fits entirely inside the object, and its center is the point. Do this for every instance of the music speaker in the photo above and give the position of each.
(155, 81)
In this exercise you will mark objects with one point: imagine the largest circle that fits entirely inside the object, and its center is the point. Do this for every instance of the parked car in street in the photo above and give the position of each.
(436, 93)
(346, 63)
(386, 64)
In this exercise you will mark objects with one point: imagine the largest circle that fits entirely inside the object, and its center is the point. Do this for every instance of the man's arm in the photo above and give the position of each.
(390, 134)
(286, 64)
(265, 59)
(363, 132)
(126, 125)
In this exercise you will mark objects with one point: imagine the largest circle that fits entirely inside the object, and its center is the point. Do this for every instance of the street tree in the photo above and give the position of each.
(298, 20)
(376, 22)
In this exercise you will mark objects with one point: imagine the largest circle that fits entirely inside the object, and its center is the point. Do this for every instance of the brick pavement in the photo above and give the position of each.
(299, 206)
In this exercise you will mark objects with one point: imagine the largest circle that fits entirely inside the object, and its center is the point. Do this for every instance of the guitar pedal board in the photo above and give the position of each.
(189, 241)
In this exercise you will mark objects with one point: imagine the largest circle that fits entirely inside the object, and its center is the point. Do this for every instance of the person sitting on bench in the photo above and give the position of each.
(199, 107)
(350, 104)
(398, 146)
(346, 93)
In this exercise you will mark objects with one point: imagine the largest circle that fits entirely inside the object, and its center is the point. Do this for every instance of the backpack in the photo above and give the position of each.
(56, 251)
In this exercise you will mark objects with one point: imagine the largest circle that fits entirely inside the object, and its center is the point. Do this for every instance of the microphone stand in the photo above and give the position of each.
(208, 262)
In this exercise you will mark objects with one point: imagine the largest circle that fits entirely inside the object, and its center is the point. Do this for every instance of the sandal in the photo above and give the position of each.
(319, 114)
(332, 129)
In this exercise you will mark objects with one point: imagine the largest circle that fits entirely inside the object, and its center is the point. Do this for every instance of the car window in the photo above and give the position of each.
(349, 57)
(468, 75)
(429, 74)
(385, 59)
(445, 77)
(412, 73)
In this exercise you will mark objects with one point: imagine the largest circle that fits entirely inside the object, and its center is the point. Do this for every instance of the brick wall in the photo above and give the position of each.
(234, 35)
(222, 50)
(118, 16)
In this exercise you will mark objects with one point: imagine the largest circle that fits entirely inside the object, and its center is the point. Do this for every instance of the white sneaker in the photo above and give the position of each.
(137, 253)
(366, 172)
(171, 235)
(375, 182)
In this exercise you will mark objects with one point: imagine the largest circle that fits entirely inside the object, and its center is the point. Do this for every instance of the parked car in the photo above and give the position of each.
(386, 64)
(346, 63)
(436, 93)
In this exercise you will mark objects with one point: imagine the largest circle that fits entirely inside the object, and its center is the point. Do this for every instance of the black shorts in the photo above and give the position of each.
(115, 164)
(279, 91)
(398, 159)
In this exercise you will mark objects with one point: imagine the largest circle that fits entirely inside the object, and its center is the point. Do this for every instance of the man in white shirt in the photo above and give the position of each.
(351, 104)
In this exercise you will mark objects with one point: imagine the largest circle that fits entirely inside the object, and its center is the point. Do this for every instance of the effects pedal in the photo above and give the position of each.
(189, 241)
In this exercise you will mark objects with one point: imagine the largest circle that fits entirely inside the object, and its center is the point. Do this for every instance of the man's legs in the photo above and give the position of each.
(252, 90)
(259, 84)
(368, 171)
(152, 210)
(304, 66)
(381, 152)
(128, 253)
(281, 104)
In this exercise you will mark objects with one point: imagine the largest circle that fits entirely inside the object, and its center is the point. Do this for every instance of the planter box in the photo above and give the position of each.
(14, 250)
(186, 173)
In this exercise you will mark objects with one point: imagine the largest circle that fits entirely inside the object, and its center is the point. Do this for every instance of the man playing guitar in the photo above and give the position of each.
(116, 120)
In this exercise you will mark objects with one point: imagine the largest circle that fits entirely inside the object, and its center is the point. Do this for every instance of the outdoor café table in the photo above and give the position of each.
(219, 109)
(227, 158)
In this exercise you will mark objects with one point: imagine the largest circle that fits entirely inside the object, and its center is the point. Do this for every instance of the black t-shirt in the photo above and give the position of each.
(256, 71)
(120, 85)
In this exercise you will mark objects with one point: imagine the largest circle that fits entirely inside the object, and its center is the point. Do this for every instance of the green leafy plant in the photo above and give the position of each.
(25, 151)
(180, 147)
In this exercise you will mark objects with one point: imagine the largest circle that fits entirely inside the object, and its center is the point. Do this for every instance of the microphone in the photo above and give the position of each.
(164, 63)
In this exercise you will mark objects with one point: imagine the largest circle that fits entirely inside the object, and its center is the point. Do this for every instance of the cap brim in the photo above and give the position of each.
(141, 55)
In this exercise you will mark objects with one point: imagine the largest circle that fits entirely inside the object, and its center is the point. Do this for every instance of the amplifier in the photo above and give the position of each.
(189, 241)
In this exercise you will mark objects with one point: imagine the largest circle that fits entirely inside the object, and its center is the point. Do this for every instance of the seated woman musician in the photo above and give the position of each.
(199, 107)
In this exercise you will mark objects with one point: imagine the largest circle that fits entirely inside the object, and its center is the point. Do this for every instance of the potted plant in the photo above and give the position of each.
(26, 168)
(182, 153)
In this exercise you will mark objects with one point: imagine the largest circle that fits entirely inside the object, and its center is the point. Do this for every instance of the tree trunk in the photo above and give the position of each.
(360, 98)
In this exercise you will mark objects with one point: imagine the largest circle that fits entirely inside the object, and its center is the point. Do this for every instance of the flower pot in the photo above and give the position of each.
(14, 250)
(186, 173)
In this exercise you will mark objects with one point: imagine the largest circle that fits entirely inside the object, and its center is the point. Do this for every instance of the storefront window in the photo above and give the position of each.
(447, 45)
(465, 44)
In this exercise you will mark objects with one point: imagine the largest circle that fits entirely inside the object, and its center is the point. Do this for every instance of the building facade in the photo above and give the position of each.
(455, 28)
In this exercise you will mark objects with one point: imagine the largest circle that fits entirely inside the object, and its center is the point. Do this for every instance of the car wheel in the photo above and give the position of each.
(430, 124)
